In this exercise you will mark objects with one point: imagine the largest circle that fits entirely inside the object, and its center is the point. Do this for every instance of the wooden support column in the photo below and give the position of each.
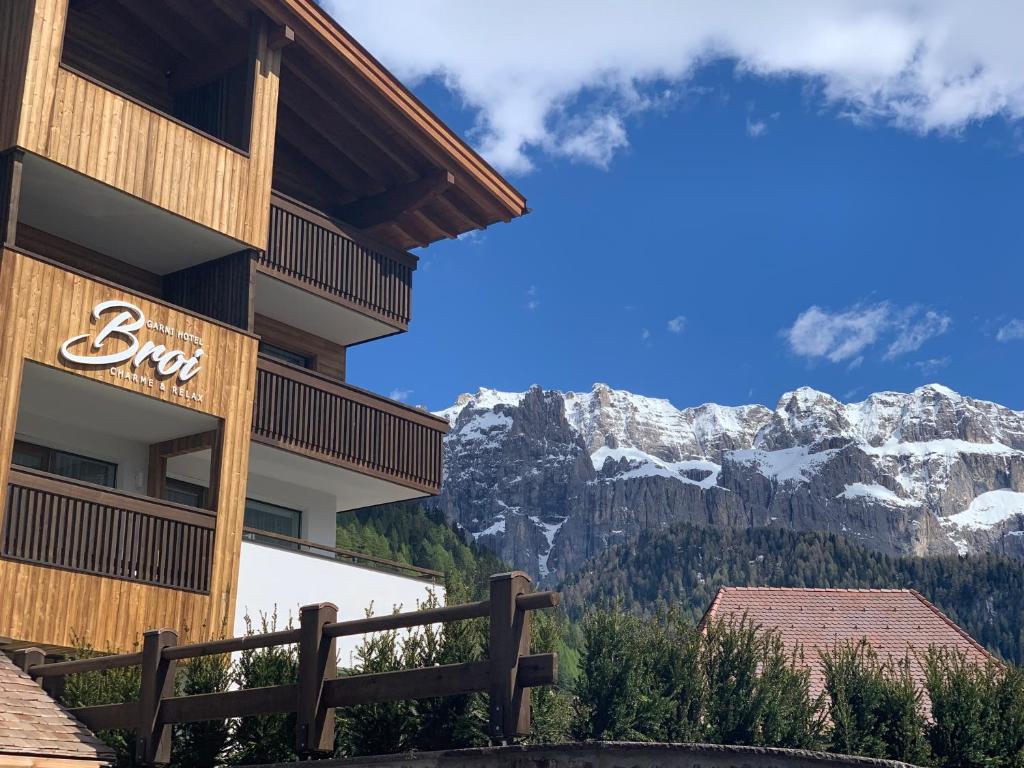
(159, 453)
(509, 640)
(314, 721)
(10, 194)
(152, 736)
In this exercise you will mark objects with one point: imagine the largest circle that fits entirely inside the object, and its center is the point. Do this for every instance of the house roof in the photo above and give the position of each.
(476, 196)
(895, 622)
(34, 725)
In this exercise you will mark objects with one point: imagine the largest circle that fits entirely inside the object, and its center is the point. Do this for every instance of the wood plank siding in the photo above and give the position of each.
(221, 289)
(83, 259)
(300, 411)
(41, 305)
(312, 251)
(84, 125)
(323, 356)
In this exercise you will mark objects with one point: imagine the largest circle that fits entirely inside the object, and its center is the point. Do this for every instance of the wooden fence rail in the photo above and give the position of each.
(507, 675)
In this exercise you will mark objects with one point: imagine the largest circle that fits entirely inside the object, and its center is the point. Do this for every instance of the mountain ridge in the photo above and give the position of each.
(547, 479)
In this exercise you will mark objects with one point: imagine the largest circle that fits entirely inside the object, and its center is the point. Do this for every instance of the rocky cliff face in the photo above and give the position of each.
(548, 479)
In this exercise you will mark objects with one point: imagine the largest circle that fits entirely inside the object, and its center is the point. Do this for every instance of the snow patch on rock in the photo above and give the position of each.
(874, 492)
(786, 465)
(988, 509)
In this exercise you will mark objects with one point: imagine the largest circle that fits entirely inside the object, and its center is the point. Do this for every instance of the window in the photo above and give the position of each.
(65, 464)
(273, 519)
(188, 494)
(286, 355)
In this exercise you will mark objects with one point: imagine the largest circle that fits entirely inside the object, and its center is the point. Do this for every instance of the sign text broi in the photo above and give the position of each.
(164, 368)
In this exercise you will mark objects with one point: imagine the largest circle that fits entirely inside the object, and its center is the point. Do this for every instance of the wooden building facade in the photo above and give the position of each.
(203, 204)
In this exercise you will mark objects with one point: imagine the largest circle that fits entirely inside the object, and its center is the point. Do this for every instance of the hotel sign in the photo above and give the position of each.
(118, 348)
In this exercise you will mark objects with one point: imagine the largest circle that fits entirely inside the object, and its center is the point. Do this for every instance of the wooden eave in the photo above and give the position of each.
(479, 196)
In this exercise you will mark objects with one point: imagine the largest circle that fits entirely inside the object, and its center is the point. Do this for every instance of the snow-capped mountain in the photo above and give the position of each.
(548, 479)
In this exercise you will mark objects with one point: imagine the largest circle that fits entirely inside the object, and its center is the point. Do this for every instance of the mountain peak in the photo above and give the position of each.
(547, 478)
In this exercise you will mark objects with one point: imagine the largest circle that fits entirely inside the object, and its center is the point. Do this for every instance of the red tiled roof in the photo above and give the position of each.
(33, 724)
(896, 622)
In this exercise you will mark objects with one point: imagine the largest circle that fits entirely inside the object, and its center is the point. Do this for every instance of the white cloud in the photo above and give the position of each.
(845, 335)
(677, 324)
(912, 333)
(562, 77)
(756, 128)
(594, 141)
(532, 302)
(932, 365)
(837, 336)
(1012, 331)
(400, 395)
(645, 334)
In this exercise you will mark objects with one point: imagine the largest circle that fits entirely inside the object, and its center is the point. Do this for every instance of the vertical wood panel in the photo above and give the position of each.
(221, 289)
(40, 306)
(94, 130)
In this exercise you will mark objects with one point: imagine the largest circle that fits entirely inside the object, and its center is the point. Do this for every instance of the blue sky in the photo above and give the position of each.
(735, 236)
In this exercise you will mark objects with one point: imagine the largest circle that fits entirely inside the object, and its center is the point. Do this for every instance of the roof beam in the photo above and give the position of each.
(330, 124)
(371, 82)
(280, 36)
(389, 205)
(346, 112)
(431, 223)
(309, 142)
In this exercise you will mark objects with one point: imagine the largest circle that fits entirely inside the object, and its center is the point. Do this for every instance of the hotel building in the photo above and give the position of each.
(203, 204)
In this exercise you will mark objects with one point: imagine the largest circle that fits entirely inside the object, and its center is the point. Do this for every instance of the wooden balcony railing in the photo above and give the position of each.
(316, 253)
(62, 523)
(302, 411)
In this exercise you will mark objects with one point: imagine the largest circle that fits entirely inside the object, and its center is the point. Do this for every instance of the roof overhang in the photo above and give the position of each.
(476, 195)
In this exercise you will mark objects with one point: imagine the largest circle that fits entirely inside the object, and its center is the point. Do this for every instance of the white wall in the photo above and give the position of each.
(270, 577)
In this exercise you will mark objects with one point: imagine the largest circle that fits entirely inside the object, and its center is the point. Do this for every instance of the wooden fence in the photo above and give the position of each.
(507, 675)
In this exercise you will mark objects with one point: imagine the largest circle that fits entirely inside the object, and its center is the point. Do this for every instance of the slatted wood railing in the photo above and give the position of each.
(302, 411)
(315, 251)
(75, 526)
(507, 674)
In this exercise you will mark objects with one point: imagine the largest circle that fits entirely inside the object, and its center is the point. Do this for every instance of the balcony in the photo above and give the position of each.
(313, 427)
(174, 109)
(325, 278)
(76, 526)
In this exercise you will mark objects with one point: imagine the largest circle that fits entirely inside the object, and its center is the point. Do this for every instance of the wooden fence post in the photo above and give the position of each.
(26, 658)
(314, 722)
(152, 736)
(509, 639)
